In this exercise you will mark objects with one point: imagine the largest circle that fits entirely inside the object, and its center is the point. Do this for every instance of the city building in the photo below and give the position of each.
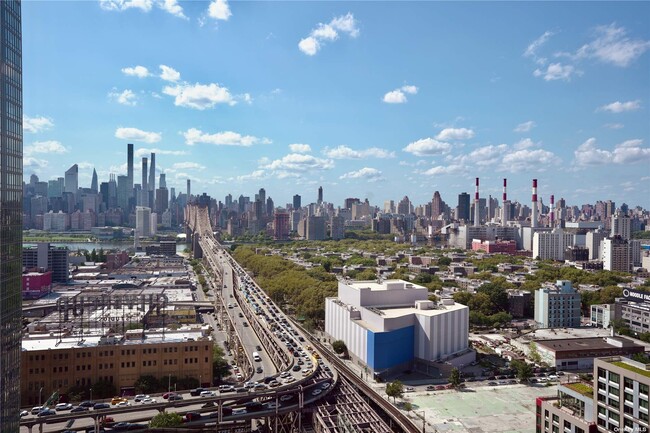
(58, 363)
(579, 353)
(11, 196)
(621, 394)
(558, 306)
(602, 315)
(391, 326)
(519, 304)
(552, 245)
(36, 284)
(571, 411)
(337, 227)
(621, 225)
(143, 221)
(496, 246)
(619, 254)
(281, 225)
(43, 256)
(634, 310)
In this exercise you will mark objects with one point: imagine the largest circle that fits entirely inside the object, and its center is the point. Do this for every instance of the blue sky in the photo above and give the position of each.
(367, 99)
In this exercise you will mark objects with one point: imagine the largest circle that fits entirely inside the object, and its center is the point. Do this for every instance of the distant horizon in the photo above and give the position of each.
(384, 99)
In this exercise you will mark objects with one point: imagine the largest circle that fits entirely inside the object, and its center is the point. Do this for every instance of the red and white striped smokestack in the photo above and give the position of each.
(552, 211)
(533, 219)
(505, 185)
(476, 195)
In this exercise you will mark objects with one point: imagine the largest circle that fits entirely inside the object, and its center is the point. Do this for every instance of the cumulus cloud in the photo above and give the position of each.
(398, 96)
(126, 97)
(556, 71)
(621, 107)
(299, 162)
(48, 147)
(187, 166)
(199, 96)
(614, 125)
(525, 143)
(225, 138)
(525, 127)
(136, 134)
(37, 124)
(627, 152)
(136, 71)
(455, 134)
(345, 152)
(529, 160)
(168, 73)
(300, 148)
(31, 163)
(170, 6)
(444, 169)
(143, 151)
(427, 147)
(219, 10)
(612, 45)
(370, 174)
(345, 24)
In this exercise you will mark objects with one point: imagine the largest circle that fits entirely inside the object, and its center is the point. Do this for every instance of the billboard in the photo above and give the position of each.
(636, 295)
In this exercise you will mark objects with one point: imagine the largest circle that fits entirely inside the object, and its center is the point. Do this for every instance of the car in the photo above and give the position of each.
(36, 409)
(149, 400)
(286, 397)
(241, 314)
(300, 362)
(239, 377)
(175, 397)
(272, 405)
(253, 406)
(116, 400)
(123, 404)
(24, 413)
(259, 370)
(409, 389)
(208, 393)
(512, 381)
(138, 398)
(306, 371)
(226, 388)
(316, 391)
(296, 368)
(325, 385)
(167, 394)
(63, 406)
(241, 389)
(245, 324)
(192, 416)
(87, 403)
(431, 388)
(208, 404)
(285, 374)
(79, 409)
(250, 384)
(46, 412)
(290, 379)
(553, 377)
(101, 406)
(196, 392)
(492, 383)
(238, 411)
(260, 387)
(230, 305)
(274, 384)
(258, 348)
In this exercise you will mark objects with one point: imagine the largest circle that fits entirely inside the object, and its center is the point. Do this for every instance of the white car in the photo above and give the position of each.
(138, 398)
(316, 391)
(24, 413)
(207, 394)
(148, 400)
(290, 379)
(123, 404)
(63, 406)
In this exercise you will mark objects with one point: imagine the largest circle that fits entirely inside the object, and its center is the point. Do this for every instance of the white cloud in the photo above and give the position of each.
(345, 152)
(611, 45)
(398, 96)
(122, 5)
(529, 160)
(126, 97)
(187, 166)
(256, 175)
(525, 143)
(140, 152)
(486, 155)
(531, 50)
(444, 169)
(136, 71)
(299, 162)
(556, 71)
(370, 174)
(31, 163)
(136, 134)
(226, 138)
(50, 147)
(427, 147)
(173, 8)
(454, 134)
(37, 124)
(346, 24)
(525, 127)
(412, 164)
(300, 148)
(614, 125)
(199, 96)
(630, 152)
(621, 107)
(168, 73)
(219, 10)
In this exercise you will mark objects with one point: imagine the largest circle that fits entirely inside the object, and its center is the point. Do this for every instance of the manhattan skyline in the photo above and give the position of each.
(376, 100)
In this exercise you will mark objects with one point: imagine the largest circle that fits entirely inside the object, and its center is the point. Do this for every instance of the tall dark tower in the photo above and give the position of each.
(144, 192)
(151, 184)
(296, 201)
(320, 194)
(129, 172)
(11, 235)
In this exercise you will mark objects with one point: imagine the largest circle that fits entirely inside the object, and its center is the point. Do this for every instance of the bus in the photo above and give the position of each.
(256, 357)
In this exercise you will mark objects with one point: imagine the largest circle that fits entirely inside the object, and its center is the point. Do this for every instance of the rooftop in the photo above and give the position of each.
(384, 285)
(594, 343)
(391, 313)
(632, 368)
(581, 388)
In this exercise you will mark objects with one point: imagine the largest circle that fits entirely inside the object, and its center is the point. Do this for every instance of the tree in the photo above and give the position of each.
(462, 297)
(408, 407)
(340, 347)
(444, 261)
(166, 419)
(146, 384)
(395, 389)
(523, 369)
(220, 366)
(454, 377)
(533, 353)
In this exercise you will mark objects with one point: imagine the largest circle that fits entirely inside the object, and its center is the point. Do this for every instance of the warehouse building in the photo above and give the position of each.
(392, 326)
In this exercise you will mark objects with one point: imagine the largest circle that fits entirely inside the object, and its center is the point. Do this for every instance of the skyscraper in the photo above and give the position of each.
(462, 212)
(296, 201)
(151, 185)
(320, 194)
(11, 235)
(144, 192)
(72, 179)
(189, 188)
(93, 183)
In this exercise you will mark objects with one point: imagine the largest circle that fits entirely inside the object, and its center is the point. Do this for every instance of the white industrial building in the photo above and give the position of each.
(393, 325)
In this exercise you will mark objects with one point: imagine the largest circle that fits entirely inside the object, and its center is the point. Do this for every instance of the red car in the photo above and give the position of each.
(167, 394)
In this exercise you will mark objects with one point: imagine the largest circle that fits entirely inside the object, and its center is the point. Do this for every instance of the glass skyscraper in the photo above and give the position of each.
(11, 235)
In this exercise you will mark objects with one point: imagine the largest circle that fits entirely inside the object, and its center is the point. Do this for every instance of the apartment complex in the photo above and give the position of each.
(56, 363)
(557, 307)
(571, 411)
(43, 256)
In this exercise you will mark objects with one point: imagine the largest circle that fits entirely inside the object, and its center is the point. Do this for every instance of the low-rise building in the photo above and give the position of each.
(602, 315)
(579, 353)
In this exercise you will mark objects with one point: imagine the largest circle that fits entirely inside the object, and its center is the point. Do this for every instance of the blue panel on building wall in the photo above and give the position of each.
(388, 349)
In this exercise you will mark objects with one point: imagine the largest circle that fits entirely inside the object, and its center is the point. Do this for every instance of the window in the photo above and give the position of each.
(602, 373)
(613, 377)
